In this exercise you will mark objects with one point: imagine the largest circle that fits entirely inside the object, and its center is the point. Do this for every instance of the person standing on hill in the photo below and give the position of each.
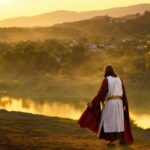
(112, 122)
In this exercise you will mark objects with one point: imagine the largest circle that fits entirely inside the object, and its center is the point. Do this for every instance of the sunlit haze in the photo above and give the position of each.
(16, 8)
(58, 109)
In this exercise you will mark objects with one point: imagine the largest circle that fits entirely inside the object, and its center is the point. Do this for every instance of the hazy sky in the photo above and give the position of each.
(14, 8)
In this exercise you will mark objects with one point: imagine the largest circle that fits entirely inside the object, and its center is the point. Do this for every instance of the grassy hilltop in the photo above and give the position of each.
(21, 131)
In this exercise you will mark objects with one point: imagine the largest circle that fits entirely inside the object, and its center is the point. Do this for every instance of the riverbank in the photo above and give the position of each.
(21, 131)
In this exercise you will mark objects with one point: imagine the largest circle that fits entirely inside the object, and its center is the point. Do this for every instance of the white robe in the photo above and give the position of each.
(112, 118)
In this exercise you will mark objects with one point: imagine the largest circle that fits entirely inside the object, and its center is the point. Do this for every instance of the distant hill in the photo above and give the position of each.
(97, 27)
(106, 26)
(62, 16)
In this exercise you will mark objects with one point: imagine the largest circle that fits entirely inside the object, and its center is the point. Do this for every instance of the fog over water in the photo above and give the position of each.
(59, 109)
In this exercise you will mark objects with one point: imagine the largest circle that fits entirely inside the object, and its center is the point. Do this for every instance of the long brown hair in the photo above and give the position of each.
(109, 71)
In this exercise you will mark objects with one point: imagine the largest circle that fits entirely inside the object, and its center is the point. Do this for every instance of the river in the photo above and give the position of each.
(58, 109)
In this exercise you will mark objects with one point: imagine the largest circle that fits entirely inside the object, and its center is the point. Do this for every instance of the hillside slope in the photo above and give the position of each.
(97, 27)
(21, 131)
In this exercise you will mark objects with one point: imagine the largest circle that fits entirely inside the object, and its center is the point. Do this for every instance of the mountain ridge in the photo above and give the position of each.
(61, 16)
(98, 27)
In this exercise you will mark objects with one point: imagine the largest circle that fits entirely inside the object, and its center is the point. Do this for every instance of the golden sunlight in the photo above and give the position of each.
(142, 121)
(58, 109)
(4, 2)
(48, 109)
(16, 8)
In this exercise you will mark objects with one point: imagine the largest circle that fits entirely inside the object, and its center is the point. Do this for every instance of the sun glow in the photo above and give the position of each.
(6, 6)
(4, 2)
(16, 8)
(141, 120)
(48, 109)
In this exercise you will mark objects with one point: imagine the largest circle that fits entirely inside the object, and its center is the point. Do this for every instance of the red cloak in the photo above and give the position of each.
(90, 118)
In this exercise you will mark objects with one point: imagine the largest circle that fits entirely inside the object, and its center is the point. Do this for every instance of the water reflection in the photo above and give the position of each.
(141, 120)
(45, 108)
(57, 109)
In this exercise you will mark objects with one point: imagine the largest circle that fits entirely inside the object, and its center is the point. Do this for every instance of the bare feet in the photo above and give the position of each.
(111, 143)
(121, 142)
